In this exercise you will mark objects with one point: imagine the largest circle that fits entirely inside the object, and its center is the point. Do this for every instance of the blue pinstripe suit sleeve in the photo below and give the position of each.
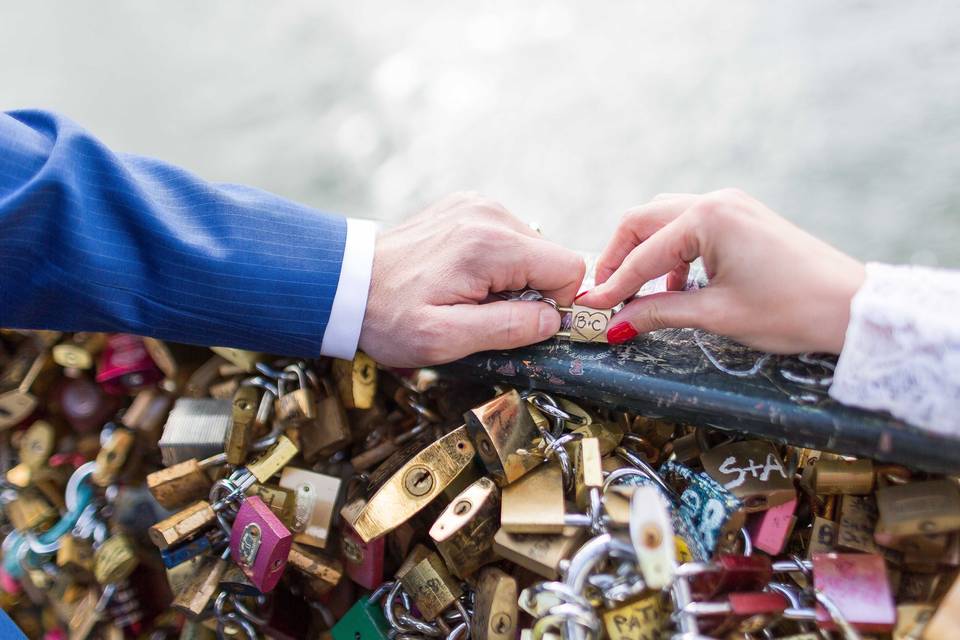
(98, 241)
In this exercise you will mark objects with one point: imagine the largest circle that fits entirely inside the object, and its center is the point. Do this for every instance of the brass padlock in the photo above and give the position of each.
(608, 433)
(17, 404)
(401, 493)
(183, 524)
(541, 554)
(113, 457)
(643, 618)
(584, 324)
(183, 482)
(495, 614)
(114, 560)
(193, 599)
(535, 503)
(274, 459)
(30, 511)
(464, 531)
(323, 571)
(932, 506)
(246, 360)
(148, 412)
(297, 407)
(282, 501)
(839, 476)
(426, 579)
(79, 352)
(356, 381)
(37, 445)
(588, 468)
(823, 536)
(85, 616)
(504, 433)
(75, 556)
(163, 357)
(242, 425)
(330, 432)
(753, 471)
(856, 524)
(315, 498)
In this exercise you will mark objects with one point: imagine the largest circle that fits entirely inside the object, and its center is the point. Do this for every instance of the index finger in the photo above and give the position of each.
(673, 245)
(635, 227)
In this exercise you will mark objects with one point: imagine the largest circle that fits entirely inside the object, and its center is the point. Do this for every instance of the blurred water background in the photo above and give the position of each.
(843, 116)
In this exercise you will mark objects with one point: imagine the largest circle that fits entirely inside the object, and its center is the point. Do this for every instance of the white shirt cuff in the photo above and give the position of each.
(350, 302)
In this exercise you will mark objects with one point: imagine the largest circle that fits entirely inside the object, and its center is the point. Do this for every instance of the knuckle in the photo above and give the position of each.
(653, 317)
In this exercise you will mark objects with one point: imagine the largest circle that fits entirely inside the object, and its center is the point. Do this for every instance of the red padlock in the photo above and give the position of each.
(745, 612)
(126, 366)
(727, 573)
(363, 561)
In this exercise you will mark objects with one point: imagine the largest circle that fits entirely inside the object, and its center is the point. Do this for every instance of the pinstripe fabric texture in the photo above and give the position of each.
(92, 240)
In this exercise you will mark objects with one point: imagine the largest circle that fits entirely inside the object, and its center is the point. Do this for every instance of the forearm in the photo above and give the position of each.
(902, 347)
(93, 240)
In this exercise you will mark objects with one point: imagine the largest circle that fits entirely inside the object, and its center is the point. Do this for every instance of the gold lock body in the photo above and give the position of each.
(932, 506)
(642, 619)
(495, 613)
(856, 523)
(426, 579)
(541, 554)
(113, 457)
(75, 556)
(588, 468)
(37, 445)
(245, 360)
(414, 485)
(183, 525)
(324, 571)
(179, 484)
(504, 432)
(275, 459)
(752, 471)
(823, 536)
(30, 511)
(838, 476)
(114, 560)
(585, 324)
(280, 500)
(535, 503)
(193, 599)
(356, 381)
(240, 433)
(464, 531)
(330, 432)
(608, 433)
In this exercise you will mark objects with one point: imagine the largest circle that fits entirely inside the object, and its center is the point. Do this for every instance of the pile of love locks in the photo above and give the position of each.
(160, 491)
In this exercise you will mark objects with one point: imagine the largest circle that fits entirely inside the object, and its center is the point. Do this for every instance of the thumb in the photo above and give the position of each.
(669, 309)
(504, 324)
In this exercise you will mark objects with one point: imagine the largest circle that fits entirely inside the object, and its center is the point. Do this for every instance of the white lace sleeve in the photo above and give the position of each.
(902, 347)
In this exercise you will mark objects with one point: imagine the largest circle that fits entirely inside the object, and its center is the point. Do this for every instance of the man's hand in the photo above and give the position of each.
(433, 277)
(772, 285)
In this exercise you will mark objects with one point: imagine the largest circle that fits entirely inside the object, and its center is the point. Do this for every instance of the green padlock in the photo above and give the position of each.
(364, 621)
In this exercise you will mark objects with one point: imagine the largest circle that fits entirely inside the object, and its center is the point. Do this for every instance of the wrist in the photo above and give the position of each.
(849, 280)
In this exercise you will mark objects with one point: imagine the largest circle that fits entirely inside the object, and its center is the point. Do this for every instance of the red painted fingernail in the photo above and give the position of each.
(621, 333)
(580, 295)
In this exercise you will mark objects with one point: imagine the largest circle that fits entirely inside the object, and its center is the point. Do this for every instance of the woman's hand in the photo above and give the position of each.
(433, 276)
(772, 285)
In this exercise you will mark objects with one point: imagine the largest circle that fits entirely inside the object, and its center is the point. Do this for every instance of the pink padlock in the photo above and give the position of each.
(126, 366)
(857, 584)
(260, 543)
(363, 561)
(9, 584)
(770, 529)
(55, 634)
